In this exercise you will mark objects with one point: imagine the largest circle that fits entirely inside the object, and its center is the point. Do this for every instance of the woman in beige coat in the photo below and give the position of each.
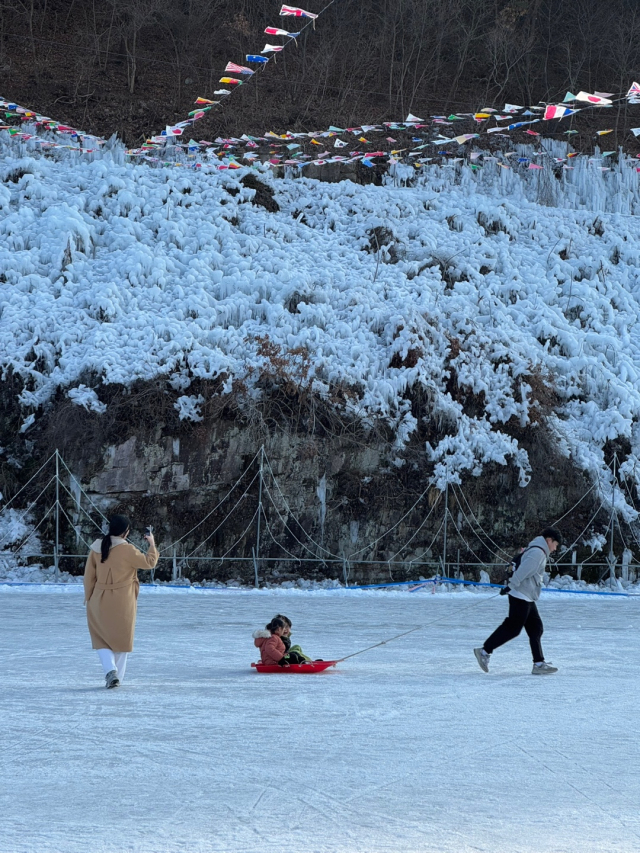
(111, 595)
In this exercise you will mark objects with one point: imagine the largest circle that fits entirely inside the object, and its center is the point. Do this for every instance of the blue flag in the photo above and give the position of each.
(256, 58)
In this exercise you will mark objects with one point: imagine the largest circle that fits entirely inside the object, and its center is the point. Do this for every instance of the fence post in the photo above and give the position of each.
(345, 573)
(174, 567)
(255, 568)
(611, 559)
(256, 551)
(446, 516)
(57, 545)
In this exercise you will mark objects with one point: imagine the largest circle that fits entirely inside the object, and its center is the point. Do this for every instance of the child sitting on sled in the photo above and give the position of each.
(269, 641)
(294, 654)
(275, 645)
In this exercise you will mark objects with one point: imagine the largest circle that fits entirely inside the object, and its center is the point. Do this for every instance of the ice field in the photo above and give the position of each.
(408, 748)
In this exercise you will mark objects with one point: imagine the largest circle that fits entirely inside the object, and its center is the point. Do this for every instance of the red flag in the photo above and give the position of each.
(237, 69)
(295, 12)
(276, 31)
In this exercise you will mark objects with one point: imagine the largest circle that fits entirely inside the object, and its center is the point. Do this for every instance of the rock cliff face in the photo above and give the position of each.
(160, 328)
(333, 503)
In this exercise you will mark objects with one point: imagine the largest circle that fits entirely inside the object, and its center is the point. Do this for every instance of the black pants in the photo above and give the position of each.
(522, 614)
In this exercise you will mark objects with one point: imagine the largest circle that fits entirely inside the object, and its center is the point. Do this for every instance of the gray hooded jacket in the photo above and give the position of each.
(527, 578)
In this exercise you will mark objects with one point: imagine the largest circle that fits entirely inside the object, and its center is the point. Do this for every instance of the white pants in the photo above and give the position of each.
(113, 660)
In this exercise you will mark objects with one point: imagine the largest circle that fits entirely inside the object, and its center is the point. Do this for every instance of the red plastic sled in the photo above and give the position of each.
(297, 668)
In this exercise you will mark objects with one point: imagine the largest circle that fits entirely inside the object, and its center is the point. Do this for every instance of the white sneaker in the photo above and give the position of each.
(543, 668)
(483, 659)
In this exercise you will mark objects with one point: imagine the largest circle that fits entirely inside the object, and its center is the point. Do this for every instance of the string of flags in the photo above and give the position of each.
(87, 143)
(258, 59)
(293, 149)
(512, 118)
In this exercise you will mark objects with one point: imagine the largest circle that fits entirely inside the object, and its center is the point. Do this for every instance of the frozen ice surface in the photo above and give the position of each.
(408, 748)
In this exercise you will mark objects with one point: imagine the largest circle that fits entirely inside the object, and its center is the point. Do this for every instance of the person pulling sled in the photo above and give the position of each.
(523, 590)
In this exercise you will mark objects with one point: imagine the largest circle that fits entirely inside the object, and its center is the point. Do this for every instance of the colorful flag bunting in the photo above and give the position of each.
(634, 91)
(231, 81)
(201, 101)
(293, 11)
(603, 132)
(232, 68)
(276, 31)
(635, 131)
(519, 124)
(253, 57)
(553, 111)
(596, 100)
(272, 48)
(411, 119)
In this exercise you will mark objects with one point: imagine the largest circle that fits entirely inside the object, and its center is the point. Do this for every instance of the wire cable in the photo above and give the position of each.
(631, 502)
(79, 535)
(424, 521)
(215, 530)
(73, 476)
(241, 537)
(195, 527)
(80, 507)
(8, 504)
(30, 534)
(360, 550)
(589, 523)
(418, 628)
(30, 507)
(286, 526)
(495, 544)
(268, 527)
(558, 520)
(466, 543)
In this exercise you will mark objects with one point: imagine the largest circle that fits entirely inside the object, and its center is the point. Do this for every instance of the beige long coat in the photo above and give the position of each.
(111, 593)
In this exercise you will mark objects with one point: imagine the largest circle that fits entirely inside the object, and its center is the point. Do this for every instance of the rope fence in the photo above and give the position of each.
(258, 475)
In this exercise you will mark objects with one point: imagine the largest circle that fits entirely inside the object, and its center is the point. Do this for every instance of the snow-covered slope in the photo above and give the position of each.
(489, 304)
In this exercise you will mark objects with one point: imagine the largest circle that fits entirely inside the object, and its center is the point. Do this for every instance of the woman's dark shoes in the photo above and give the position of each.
(111, 679)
